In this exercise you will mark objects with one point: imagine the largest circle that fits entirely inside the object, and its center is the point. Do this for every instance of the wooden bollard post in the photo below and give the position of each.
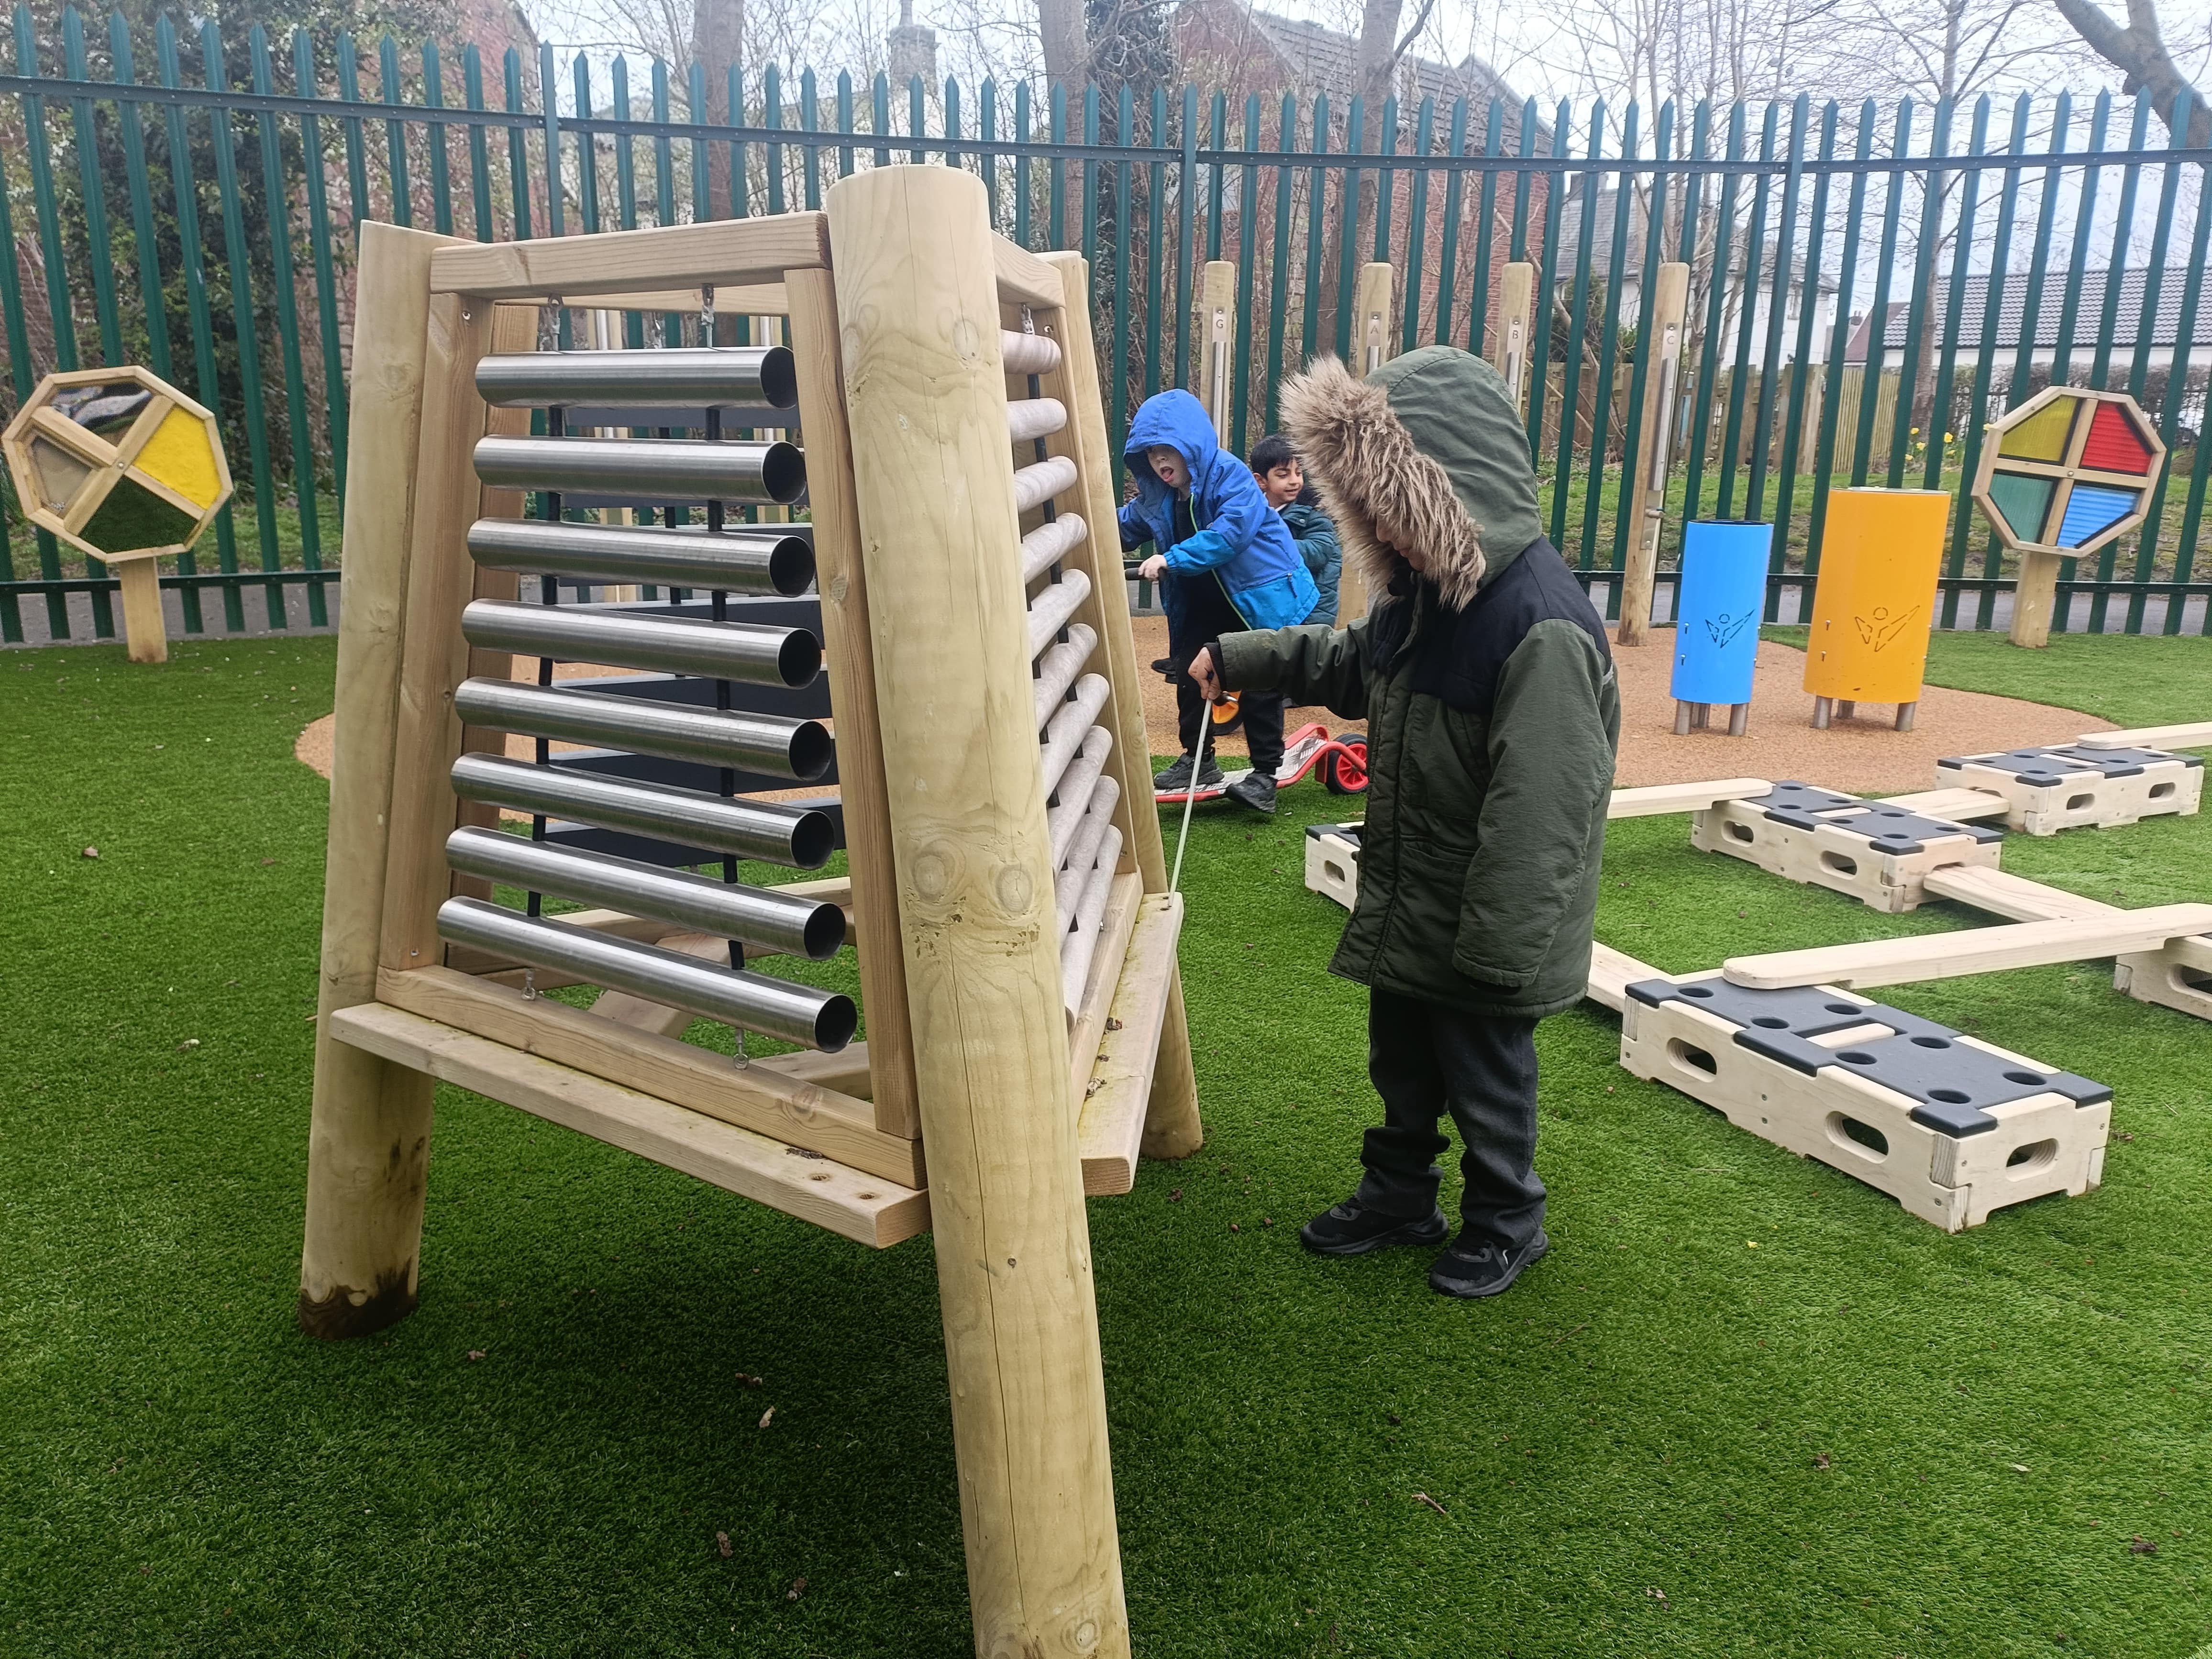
(1370, 308)
(1647, 491)
(1370, 338)
(1517, 299)
(920, 317)
(368, 1139)
(1217, 324)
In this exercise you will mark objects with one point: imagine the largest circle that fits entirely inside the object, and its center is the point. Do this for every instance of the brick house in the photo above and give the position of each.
(1248, 53)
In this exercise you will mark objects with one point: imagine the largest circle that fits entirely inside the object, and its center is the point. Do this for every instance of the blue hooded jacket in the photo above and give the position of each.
(1240, 538)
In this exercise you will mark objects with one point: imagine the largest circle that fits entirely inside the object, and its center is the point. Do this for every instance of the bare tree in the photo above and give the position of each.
(2139, 52)
(718, 35)
(1066, 45)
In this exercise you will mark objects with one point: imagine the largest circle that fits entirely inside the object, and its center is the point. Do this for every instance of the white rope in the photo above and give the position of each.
(1190, 796)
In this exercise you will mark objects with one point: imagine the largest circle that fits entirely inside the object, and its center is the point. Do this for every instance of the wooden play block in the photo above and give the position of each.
(2052, 788)
(1876, 852)
(2015, 1130)
(1332, 861)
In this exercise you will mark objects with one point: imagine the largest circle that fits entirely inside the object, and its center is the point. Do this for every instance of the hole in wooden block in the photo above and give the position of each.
(2075, 803)
(1738, 832)
(1336, 872)
(2028, 1159)
(1690, 1059)
(1861, 1138)
(2035, 1078)
(1932, 1043)
(1950, 1097)
(1839, 864)
(1701, 992)
(2190, 978)
(1852, 1057)
(1771, 1022)
(2161, 791)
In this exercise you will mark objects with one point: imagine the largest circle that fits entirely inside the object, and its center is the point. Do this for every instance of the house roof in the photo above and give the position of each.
(1318, 59)
(2013, 331)
(1570, 236)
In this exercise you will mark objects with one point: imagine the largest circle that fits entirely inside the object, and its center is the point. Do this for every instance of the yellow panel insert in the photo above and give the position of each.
(2042, 436)
(180, 455)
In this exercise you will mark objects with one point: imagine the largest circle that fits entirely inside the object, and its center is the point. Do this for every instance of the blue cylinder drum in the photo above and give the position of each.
(1722, 592)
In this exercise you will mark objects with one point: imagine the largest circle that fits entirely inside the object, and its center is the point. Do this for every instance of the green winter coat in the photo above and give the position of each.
(1486, 683)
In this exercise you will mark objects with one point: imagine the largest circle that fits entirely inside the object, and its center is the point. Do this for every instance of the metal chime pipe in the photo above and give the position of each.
(1028, 353)
(774, 1007)
(802, 838)
(798, 749)
(1050, 610)
(735, 561)
(750, 652)
(1035, 484)
(1049, 543)
(660, 469)
(686, 376)
(756, 915)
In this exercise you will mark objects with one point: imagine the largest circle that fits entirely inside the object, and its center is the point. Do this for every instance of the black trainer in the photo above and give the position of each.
(1351, 1229)
(1476, 1266)
(1255, 789)
(1174, 778)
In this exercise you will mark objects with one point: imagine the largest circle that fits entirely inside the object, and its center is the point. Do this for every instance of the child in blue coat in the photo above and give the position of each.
(1225, 564)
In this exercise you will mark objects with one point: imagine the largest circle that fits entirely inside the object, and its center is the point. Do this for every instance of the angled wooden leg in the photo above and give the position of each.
(368, 1141)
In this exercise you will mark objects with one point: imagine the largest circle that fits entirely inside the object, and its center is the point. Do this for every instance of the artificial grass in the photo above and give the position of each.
(1860, 1436)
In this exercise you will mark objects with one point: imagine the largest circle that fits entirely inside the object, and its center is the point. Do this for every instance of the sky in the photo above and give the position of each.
(1528, 40)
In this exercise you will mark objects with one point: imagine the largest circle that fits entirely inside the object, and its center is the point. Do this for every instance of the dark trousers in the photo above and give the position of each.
(1205, 615)
(1426, 1060)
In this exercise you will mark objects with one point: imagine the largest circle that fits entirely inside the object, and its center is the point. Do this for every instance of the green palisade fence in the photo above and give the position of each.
(202, 220)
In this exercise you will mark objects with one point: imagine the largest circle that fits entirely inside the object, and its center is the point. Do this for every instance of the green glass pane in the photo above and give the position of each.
(133, 517)
(2024, 501)
(107, 410)
(2042, 436)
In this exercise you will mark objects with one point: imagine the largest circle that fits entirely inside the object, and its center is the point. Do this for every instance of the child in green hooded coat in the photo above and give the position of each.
(1493, 714)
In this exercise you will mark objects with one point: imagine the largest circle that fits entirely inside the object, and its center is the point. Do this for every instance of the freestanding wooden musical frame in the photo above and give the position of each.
(1026, 1030)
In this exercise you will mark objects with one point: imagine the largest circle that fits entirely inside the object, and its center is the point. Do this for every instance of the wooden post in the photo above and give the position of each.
(2034, 598)
(145, 630)
(1217, 320)
(1371, 306)
(849, 655)
(919, 314)
(368, 1139)
(1647, 491)
(1371, 335)
(1516, 312)
(1172, 1128)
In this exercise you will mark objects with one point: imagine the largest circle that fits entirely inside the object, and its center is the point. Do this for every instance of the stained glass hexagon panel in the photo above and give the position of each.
(117, 462)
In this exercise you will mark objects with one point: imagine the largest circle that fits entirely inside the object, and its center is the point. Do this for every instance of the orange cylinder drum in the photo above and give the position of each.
(1876, 600)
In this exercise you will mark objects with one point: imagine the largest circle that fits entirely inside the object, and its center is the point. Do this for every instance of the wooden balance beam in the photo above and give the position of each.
(1988, 950)
(2189, 734)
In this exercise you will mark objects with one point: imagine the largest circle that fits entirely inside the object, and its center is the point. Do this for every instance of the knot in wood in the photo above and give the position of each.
(1015, 890)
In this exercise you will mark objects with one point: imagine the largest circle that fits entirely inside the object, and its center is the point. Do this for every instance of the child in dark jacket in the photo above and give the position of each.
(1493, 714)
(1225, 563)
(1282, 482)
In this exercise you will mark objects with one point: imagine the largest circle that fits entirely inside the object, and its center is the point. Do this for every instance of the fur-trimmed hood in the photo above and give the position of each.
(1429, 445)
